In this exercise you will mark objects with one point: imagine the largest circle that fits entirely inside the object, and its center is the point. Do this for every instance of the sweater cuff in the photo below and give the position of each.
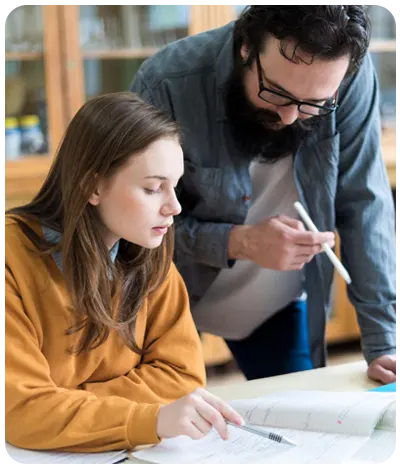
(142, 424)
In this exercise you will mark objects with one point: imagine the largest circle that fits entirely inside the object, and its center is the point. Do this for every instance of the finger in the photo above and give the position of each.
(293, 223)
(213, 417)
(295, 267)
(306, 252)
(227, 411)
(311, 238)
(303, 259)
(378, 372)
(201, 424)
(331, 243)
(388, 362)
(194, 432)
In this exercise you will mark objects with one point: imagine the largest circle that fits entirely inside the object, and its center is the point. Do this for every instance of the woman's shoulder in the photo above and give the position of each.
(16, 238)
(171, 284)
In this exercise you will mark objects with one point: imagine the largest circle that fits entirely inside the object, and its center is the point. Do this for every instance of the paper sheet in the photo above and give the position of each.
(52, 457)
(377, 449)
(329, 428)
(244, 447)
(353, 413)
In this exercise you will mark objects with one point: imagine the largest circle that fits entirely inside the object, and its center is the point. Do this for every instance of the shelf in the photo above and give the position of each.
(25, 176)
(382, 45)
(24, 56)
(126, 53)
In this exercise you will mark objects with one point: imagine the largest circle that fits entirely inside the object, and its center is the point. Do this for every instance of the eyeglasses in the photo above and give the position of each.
(279, 99)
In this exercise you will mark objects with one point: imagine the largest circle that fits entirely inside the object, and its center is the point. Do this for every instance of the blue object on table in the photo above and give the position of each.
(384, 388)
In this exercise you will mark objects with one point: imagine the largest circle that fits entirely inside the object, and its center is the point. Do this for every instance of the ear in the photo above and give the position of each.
(95, 197)
(97, 194)
(244, 52)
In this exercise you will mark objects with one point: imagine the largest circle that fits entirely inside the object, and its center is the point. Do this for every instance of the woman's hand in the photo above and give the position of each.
(194, 415)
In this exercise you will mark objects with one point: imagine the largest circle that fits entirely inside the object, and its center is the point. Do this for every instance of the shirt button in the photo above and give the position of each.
(246, 197)
(195, 298)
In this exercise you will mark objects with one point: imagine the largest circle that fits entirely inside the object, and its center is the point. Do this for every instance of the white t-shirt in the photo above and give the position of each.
(243, 297)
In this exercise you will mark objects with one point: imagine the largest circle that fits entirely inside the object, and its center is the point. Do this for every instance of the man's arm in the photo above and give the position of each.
(365, 214)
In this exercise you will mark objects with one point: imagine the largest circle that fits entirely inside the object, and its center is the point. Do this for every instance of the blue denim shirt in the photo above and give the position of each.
(339, 173)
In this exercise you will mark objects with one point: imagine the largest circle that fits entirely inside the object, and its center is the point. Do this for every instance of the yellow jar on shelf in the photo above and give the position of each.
(32, 138)
(29, 120)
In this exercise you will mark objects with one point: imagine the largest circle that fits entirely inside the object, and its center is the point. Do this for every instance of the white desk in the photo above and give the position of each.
(346, 377)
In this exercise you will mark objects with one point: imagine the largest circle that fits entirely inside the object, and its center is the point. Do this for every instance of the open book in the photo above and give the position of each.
(328, 427)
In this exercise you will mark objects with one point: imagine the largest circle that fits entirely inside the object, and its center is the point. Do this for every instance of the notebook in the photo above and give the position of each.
(55, 457)
(329, 428)
(385, 388)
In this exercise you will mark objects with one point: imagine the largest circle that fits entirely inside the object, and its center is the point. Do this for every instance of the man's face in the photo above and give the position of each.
(314, 82)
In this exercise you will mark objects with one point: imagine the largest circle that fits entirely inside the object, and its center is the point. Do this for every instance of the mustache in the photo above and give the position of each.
(252, 113)
(255, 129)
(267, 117)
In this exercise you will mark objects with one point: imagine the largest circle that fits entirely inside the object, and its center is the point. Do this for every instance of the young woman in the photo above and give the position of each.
(101, 349)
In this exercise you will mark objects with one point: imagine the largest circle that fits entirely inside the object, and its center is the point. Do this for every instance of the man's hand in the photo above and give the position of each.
(383, 368)
(280, 243)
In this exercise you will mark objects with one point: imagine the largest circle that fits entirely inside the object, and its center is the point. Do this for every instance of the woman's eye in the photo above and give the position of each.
(152, 191)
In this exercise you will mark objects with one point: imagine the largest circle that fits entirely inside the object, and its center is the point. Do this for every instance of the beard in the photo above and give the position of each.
(257, 132)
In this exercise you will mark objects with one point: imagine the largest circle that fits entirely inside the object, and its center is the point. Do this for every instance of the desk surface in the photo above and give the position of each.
(345, 377)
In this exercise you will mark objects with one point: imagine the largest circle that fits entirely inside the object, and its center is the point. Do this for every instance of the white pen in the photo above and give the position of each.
(273, 436)
(331, 255)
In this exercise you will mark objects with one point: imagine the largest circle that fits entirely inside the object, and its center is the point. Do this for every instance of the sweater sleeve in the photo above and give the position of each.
(173, 364)
(40, 415)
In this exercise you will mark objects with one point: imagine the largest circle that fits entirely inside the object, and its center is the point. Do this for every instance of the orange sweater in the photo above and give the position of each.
(105, 399)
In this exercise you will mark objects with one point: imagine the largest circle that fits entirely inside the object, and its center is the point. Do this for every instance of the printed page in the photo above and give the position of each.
(353, 413)
(53, 457)
(244, 447)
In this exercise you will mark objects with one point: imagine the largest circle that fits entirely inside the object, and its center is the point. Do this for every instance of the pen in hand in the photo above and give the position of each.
(331, 255)
(273, 436)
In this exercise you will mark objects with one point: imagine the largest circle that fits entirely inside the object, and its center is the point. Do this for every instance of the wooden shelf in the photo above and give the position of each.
(382, 45)
(24, 55)
(144, 52)
(125, 53)
(25, 176)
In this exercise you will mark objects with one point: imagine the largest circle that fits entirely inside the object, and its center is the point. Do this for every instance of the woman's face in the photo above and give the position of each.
(138, 202)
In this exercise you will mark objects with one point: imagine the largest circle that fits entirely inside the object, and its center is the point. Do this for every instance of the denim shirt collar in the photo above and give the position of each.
(54, 236)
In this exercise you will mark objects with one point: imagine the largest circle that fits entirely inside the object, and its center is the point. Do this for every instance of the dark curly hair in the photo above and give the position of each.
(322, 31)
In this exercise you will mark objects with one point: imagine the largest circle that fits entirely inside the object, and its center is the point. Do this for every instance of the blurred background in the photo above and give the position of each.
(58, 56)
